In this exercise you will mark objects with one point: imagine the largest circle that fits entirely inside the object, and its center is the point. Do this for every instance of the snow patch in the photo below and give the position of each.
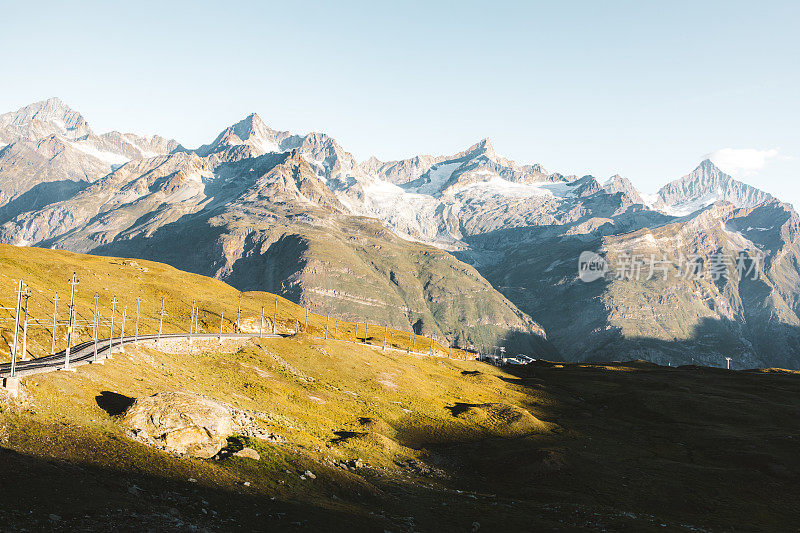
(437, 177)
(107, 157)
(687, 208)
(501, 187)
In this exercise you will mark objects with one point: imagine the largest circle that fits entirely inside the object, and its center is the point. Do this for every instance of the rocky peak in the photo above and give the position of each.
(43, 118)
(250, 131)
(618, 184)
(483, 147)
(705, 185)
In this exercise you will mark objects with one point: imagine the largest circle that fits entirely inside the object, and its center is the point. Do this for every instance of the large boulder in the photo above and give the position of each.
(185, 423)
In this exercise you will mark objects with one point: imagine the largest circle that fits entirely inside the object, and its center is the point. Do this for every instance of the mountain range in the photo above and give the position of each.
(471, 247)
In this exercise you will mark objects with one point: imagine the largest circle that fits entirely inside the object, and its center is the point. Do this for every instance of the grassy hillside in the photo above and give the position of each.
(47, 272)
(443, 444)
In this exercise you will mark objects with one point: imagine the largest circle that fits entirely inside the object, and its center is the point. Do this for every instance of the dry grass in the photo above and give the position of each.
(47, 273)
(445, 443)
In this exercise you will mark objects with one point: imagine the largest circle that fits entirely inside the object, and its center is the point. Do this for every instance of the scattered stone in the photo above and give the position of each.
(249, 453)
(189, 424)
(192, 480)
(246, 483)
(309, 474)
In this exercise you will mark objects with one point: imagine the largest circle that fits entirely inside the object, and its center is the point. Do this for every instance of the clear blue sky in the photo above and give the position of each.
(644, 89)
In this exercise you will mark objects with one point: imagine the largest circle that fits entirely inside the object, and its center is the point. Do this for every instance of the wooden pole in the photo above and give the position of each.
(122, 331)
(136, 333)
(72, 282)
(16, 330)
(27, 296)
(96, 324)
(239, 314)
(160, 319)
(55, 322)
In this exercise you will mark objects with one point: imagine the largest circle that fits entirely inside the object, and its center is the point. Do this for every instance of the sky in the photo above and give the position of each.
(641, 89)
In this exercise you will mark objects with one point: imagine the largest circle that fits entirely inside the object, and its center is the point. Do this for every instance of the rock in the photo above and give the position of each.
(54, 518)
(249, 453)
(309, 474)
(185, 423)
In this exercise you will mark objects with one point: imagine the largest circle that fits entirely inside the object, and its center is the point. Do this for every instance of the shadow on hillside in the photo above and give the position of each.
(637, 439)
(39, 196)
(81, 496)
(711, 341)
(536, 269)
(113, 403)
(766, 344)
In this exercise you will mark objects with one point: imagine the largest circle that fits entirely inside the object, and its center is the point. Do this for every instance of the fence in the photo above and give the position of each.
(44, 325)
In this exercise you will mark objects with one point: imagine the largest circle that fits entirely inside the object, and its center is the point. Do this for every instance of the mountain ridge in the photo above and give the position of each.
(226, 208)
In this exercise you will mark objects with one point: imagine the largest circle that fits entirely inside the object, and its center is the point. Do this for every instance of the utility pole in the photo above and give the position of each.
(239, 314)
(136, 334)
(336, 329)
(96, 324)
(122, 333)
(391, 339)
(26, 295)
(385, 331)
(221, 318)
(411, 342)
(366, 330)
(432, 344)
(161, 319)
(305, 326)
(275, 316)
(191, 320)
(55, 318)
(73, 281)
(16, 329)
(728, 359)
(113, 314)
(261, 323)
(327, 319)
